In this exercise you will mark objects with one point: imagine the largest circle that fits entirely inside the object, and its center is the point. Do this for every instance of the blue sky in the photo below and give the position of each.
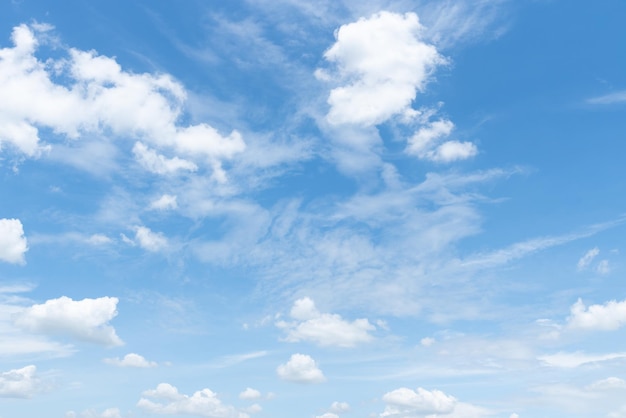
(383, 209)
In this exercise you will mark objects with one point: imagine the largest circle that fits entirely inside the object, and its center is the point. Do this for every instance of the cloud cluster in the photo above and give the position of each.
(13, 244)
(101, 98)
(300, 368)
(404, 402)
(324, 329)
(169, 401)
(85, 320)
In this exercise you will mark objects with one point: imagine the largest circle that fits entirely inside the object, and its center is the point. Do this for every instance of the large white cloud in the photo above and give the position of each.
(385, 63)
(404, 402)
(324, 329)
(101, 98)
(203, 403)
(85, 320)
(13, 244)
(607, 317)
(300, 368)
(130, 360)
(19, 383)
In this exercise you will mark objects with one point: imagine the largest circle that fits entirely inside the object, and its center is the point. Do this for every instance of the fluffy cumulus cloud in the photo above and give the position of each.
(339, 407)
(165, 202)
(323, 328)
(607, 317)
(99, 98)
(166, 400)
(85, 320)
(130, 360)
(406, 402)
(19, 383)
(13, 244)
(300, 368)
(384, 62)
(428, 143)
(149, 240)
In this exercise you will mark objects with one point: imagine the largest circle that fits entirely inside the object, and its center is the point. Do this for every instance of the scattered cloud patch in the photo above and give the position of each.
(611, 98)
(13, 244)
(165, 202)
(250, 393)
(586, 259)
(577, 359)
(323, 328)
(610, 383)
(19, 383)
(130, 360)
(84, 320)
(159, 164)
(427, 143)
(339, 407)
(406, 402)
(603, 267)
(385, 62)
(150, 241)
(91, 413)
(301, 368)
(607, 317)
(427, 341)
(166, 400)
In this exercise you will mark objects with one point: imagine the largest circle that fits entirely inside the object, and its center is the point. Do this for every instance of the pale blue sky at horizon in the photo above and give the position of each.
(330, 209)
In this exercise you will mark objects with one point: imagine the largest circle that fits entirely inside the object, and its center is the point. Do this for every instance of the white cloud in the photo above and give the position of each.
(164, 202)
(99, 98)
(576, 359)
(327, 415)
(250, 393)
(339, 407)
(148, 240)
(607, 317)
(386, 63)
(98, 239)
(427, 341)
(610, 383)
(406, 402)
(90, 413)
(204, 403)
(603, 267)
(300, 368)
(426, 143)
(131, 360)
(611, 98)
(85, 320)
(19, 383)
(586, 259)
(323, 328)
(13, 244)
(159, 164)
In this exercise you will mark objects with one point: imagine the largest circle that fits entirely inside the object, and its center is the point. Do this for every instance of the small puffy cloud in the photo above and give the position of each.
(165, 202)
(130, 360)
(324, 329)
(148, 240)
(406, 402)
(85, 320)
(610, 383)
(427, 341)
(607, 317)
(19, 383)
(586, 259)
(339, 407)
(166, 400)
(13, 244)
(300, 368)
(427, 144)
(250, 393)
(385, 62)
(159, 164)
(98, 239)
